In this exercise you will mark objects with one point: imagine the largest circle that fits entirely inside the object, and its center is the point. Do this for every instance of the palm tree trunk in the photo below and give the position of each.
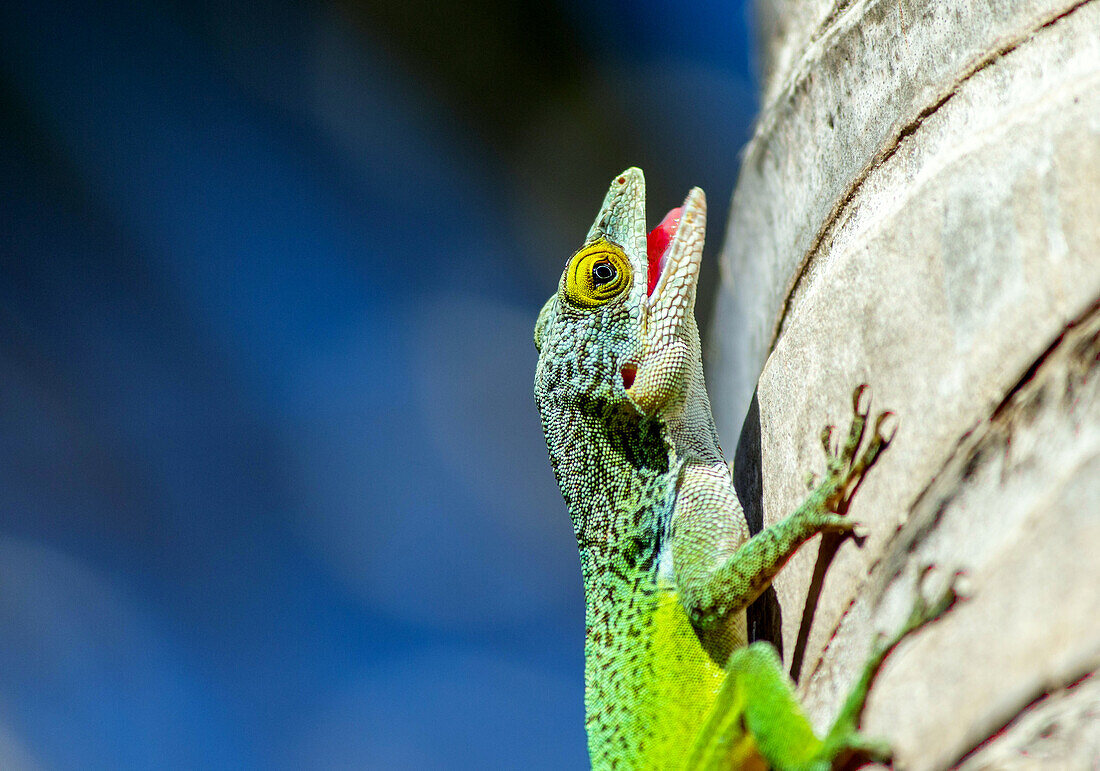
(919, 209)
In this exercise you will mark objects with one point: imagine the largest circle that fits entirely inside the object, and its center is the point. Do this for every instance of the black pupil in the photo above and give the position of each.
(603, 273)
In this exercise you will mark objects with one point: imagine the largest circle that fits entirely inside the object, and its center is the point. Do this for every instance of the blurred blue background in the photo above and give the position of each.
(273, 492)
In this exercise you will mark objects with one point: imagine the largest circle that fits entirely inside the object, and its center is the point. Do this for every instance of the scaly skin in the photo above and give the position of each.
(666, 557)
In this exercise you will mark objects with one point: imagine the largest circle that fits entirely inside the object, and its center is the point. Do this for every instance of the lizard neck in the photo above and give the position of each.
(647, 681)
(617, 472)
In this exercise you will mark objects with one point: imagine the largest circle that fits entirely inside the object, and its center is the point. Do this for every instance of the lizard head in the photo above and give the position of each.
(621, 326)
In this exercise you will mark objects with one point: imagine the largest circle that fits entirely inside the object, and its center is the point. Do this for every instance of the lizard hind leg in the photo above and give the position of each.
(756, 722)
(843, 745)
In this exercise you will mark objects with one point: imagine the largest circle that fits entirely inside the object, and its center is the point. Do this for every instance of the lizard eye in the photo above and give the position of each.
(597, 274)
(603, 273)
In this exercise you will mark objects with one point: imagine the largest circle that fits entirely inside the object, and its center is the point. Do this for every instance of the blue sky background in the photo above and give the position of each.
(273, 492)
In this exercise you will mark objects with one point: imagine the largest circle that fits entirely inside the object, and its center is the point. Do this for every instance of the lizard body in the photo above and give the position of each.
(666, 558)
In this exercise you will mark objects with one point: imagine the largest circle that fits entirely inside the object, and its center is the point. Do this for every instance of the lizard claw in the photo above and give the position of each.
(861, 408)
(925, 611)
(886, 426)
(859, 405)
(847, 466)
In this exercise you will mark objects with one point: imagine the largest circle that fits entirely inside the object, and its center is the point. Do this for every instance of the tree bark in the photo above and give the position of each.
(919, 209)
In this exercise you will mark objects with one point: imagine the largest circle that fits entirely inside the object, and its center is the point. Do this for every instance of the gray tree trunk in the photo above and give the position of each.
(919, 209)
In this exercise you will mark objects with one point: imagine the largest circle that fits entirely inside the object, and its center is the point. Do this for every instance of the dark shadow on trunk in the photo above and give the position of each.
(764, 616)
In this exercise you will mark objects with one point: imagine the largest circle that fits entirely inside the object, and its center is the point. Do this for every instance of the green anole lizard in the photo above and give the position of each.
(667, 561)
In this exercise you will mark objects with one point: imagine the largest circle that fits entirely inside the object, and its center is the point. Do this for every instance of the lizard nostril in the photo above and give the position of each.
(628, 372)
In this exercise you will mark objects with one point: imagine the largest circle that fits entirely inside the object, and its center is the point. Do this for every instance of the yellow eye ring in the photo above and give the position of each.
(597, 274)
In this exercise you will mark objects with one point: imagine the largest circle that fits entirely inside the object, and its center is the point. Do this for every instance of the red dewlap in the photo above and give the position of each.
(656, 243)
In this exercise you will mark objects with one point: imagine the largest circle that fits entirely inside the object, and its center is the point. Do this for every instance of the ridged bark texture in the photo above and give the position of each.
(919, 209)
